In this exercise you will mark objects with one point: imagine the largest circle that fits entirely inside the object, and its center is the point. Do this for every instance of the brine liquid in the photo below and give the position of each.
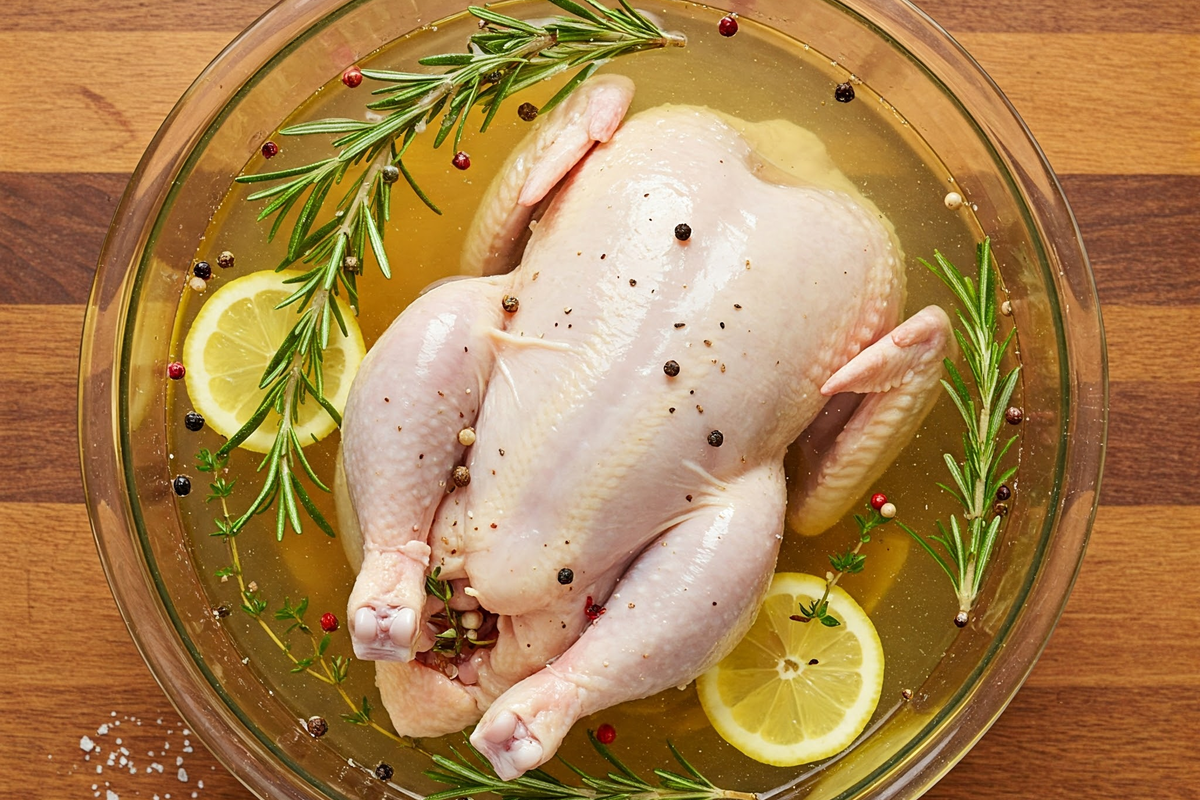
(756, 75)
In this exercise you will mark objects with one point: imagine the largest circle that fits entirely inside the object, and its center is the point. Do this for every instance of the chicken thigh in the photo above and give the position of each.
(695, 292)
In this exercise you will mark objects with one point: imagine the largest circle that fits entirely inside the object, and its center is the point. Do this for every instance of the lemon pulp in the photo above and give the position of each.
(794, 692)
(234, 337)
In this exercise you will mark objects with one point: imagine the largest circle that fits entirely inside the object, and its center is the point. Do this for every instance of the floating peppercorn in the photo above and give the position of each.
(683, 231)
(527, 112)
(175, 371)
(1014, 415)
(961, 619)
(1000, 509)
(466, 437)
(352, 77)
(384, 772)
(493, 77)
(877, 501)
(225, 260)
(565, 576)
(510, 303)
(462, 476)
(390, 173)
(352, 265)
(182, 485)
(1006, 308)
(221, 612)
(728, 25)
(907, 694)
(887, 510)
(270, 149)
(716, 438)
(1003, 493)
(329, 622)
(193, 421)
(202, 270)
(606, 734)
(592, 610)
(671, 368)
(461, 160)
(843, 93)
(317, 727)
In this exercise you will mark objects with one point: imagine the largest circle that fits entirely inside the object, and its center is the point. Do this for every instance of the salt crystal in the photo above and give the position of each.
(118, 740)
(124, 761)
(102, 730)
(187, 749)
(133, 770)
(99, 768)
(186, 732)
(111, 795)
(182, 775)
(86, 744)
(199, 784)
(113, 714)
(178, 760)
(124, 751)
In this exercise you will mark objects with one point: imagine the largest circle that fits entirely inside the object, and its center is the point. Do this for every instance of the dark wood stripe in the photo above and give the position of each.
(132, 15)
(1098, 16)
(1137, 229)
(1153, 453)
(1140, 234)
(54, 225)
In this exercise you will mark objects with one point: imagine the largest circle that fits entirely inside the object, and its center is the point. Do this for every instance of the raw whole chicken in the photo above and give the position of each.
(694, 292)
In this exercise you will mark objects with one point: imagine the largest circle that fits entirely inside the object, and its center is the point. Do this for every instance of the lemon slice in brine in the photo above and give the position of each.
(794, 692)
(232, 340)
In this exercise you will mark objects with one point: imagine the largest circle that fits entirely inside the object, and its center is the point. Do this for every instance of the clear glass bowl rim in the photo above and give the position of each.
(153, 623)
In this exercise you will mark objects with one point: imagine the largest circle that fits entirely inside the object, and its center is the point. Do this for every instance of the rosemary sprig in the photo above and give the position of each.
(471, 776)
(506, 56)
(851, 562)
(969, 543)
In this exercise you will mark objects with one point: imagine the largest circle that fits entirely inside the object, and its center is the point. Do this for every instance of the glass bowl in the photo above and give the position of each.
(287, 55)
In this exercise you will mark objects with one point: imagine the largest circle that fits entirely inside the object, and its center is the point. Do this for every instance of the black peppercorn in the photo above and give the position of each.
(683, 231)
(193, 421)
(182, 485)
(225, 260)
(1000, 509)
(716, 438)
(352, 265)
(221, 612)
(1003, 493)
(317, 727)
(843, 93)
(390, 173)
(384, 772)
(565, 576)
(961, 619)
(202, 270)
(527, 112)
(671, 368)
(1014, 416)
(510, 304)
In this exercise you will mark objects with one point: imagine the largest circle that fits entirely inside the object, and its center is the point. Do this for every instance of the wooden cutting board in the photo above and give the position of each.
(1111, 89)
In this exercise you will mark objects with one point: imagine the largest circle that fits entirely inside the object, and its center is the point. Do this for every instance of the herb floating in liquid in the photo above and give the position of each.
(969, 544)
(507, 56)
(472, 776)
(851, 562)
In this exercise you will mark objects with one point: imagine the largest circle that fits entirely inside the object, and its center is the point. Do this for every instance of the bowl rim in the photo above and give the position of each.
(153, 621)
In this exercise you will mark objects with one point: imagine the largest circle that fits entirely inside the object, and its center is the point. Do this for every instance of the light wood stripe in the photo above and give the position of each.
(1152, 343)
(1098, 103)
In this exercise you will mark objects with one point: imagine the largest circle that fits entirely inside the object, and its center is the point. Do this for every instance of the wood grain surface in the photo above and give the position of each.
(1111, 89)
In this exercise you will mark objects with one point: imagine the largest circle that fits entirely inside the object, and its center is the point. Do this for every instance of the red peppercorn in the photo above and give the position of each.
(606, 734)
(728, 26)
(461, 160)
(878, 501)
(270, 150)
(592, 610)
(352, 77)
(175, 370)
(329, 623)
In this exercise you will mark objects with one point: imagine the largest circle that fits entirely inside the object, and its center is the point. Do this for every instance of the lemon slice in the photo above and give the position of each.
(794, 692)
(232, 340)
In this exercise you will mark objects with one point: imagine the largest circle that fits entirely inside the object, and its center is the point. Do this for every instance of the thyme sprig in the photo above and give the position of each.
(329, 669)
(473, 775)
(850, 562)
(970, 542)
(505, 57)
